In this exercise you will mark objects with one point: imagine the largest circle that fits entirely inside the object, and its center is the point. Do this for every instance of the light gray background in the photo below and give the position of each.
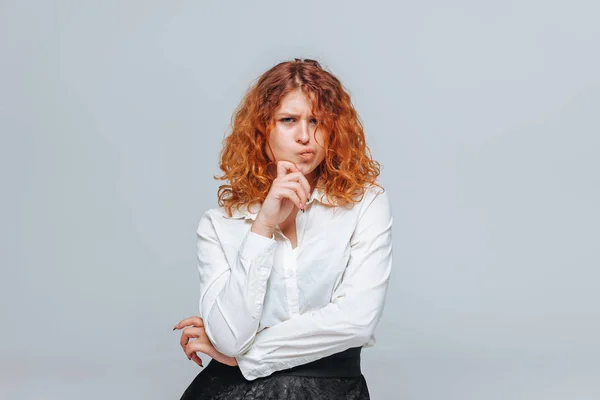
(483, 114)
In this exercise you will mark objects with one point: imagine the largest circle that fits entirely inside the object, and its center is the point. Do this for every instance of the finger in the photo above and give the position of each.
(284, 167)
(193, 321)
(189, 333)
(195, 358)
(304, 182)
(289, 194)
(198, 346)
(301, 179)
(298, 188)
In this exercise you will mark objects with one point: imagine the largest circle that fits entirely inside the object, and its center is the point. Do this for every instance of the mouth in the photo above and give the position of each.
(306, 153)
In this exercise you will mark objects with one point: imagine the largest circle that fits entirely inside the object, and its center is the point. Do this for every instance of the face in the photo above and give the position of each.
(294, 136)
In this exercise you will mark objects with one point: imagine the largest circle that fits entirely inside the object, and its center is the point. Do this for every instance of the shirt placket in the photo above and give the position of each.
(291, 284)
(291, 267)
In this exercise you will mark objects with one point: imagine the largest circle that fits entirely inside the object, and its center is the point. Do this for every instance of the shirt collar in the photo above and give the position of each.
(245, 213)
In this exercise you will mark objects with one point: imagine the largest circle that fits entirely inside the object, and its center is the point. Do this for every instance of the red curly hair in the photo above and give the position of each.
(347, 168)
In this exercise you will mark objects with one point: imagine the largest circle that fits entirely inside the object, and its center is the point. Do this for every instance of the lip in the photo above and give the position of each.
(306, 154)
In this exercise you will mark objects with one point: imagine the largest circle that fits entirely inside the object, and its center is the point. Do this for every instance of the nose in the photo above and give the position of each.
(303, 134)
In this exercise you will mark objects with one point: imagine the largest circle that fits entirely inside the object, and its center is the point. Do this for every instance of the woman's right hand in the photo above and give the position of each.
(289, 189)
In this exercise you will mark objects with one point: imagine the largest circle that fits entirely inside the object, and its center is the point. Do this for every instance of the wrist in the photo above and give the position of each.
(262, 229)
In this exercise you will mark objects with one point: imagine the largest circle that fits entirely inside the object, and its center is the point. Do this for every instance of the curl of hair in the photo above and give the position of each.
(348, 168)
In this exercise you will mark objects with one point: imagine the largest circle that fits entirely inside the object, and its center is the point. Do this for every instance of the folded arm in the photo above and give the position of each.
(232, 293)
(349, 320)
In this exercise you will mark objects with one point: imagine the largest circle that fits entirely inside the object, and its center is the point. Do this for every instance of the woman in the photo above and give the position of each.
(289, 298)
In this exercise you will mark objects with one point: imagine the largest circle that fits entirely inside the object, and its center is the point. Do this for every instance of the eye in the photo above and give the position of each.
(314, 121)
(287, 120)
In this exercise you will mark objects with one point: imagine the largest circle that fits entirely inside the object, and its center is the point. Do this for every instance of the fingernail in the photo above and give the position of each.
(189, 359)
(174, 328)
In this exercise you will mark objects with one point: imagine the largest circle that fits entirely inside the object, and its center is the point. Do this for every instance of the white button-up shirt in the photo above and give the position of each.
(273, 307)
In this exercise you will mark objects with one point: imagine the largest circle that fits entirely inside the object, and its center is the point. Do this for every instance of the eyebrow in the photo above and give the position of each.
(290, 114)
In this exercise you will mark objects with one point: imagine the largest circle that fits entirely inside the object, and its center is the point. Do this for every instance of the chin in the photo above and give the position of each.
(307, 170)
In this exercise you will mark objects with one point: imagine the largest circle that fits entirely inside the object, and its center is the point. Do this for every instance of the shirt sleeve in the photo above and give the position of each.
(232, 292)
(349, 320)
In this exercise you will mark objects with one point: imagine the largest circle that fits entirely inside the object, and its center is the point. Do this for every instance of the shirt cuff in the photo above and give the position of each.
(251, 370)
(257, 249)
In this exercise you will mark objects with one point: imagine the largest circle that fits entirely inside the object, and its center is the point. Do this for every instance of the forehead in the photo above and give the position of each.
(296, 101)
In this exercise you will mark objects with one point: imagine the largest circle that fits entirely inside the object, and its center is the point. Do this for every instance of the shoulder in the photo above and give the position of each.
(212, 217)
(375, 201)
(374, 193)
(220, 214)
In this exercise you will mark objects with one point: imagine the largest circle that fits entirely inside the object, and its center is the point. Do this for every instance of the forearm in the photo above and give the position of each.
(309, 337)
(232, 306)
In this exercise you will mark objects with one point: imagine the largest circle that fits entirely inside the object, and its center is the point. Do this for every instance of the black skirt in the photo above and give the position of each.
(337, 377)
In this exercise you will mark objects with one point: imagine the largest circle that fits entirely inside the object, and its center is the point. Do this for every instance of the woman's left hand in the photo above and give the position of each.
(193, 328)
